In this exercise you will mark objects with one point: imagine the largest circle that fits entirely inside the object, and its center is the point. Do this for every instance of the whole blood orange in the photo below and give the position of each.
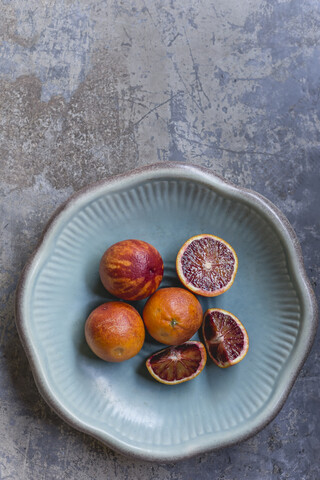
(172, 315)
(131, 269)
(207, 265)
(177, 364)
(225, 337)
(115, 331)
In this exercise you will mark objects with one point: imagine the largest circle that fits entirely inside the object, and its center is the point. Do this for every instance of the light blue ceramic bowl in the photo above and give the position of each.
(121, 404)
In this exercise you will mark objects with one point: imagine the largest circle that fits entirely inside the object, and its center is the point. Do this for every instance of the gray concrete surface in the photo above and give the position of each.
(90, 88)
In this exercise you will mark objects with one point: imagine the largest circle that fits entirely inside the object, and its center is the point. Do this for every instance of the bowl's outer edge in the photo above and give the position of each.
(207, 177)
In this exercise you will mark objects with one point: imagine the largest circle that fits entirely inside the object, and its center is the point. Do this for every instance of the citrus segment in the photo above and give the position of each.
(207, 265)
(172, 315)
(177, 364)
(225, 337)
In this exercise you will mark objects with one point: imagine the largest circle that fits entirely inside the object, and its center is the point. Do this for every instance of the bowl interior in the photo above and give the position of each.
(120, 403)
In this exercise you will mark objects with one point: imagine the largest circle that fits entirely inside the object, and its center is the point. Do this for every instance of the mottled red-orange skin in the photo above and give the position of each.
(131, 269)
(115, 331)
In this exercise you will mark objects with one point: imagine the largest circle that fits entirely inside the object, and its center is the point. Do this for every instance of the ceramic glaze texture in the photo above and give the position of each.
(120, 403)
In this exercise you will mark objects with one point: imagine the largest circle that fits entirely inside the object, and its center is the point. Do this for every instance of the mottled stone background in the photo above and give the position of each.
(91, 88)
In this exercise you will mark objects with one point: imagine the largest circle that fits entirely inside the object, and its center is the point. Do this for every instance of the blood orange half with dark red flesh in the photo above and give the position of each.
(207, 265)
(225, 337)
(177, 364)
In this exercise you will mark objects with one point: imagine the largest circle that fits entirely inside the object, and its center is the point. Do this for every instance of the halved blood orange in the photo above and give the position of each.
(177, 364)
(207, 265)
(225, 337)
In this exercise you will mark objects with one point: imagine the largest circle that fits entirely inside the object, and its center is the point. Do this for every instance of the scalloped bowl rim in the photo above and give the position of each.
(201, 175)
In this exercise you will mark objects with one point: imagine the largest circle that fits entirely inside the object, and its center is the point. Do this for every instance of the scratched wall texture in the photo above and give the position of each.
(91, 88)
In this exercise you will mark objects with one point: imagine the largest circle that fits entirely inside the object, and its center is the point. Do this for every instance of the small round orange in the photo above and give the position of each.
(115, 331)
(131, 269)
(172, 315)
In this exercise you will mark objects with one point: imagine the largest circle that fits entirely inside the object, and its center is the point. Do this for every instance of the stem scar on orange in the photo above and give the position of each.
(172, 315)
(207, 265)
(225, 337)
